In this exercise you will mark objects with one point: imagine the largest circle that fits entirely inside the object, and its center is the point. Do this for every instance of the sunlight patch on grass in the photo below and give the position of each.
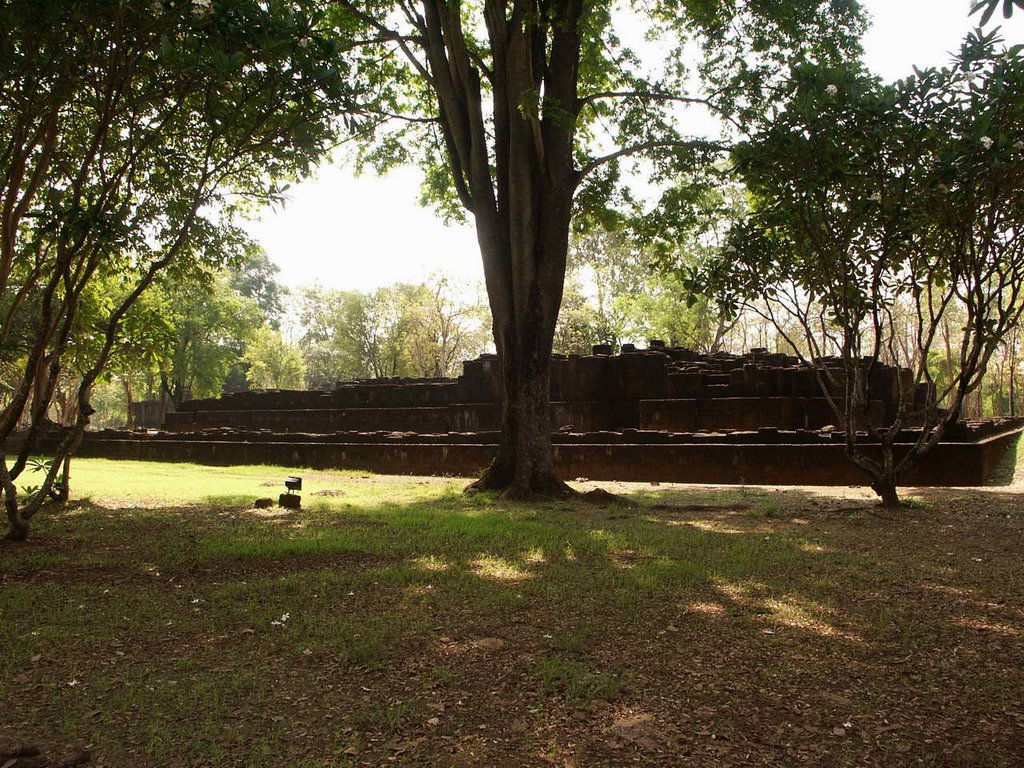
(499, 569)
(738, 592)
(534, 556)
(432, 564)
(817, 549)
(790, 613)
(706, 609)
(985, 625)
(708, 526)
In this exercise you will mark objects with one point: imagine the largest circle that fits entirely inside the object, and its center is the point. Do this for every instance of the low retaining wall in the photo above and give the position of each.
(951, 464)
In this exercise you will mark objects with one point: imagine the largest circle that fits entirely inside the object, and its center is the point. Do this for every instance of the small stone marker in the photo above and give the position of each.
(290, 501)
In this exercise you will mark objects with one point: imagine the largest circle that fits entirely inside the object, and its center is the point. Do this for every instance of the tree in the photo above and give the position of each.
(320, 354)
(353, 335)
(399, 330)
(130, 130)
(887, 225)
(616, 272)
(273, 363)
(504, 103)
(631, 296)
(255, 277)
(211, 323)
(442, 328)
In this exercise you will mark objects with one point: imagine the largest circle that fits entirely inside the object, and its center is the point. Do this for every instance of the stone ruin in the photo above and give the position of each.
(660, 414)
(660, 389)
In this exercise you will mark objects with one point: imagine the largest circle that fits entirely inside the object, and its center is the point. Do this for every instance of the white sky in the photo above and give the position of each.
(349, 232)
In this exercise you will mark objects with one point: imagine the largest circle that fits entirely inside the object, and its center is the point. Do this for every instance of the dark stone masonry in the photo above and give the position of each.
(669, 389)
(662, 414)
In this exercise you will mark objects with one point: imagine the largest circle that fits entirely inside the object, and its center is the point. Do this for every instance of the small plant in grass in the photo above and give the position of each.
(476, 499)
(768, 509)
(384, 718)
(575, 682)
(444, 676)
(571, 642)
(919, 504)
(366, 651)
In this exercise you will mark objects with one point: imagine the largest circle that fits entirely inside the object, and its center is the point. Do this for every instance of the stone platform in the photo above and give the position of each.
(663, 414)
(672, 389)
(763, 457)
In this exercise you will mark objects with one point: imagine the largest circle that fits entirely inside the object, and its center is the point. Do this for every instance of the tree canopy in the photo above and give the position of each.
(522, 114)
(131, 132)
(881, 208)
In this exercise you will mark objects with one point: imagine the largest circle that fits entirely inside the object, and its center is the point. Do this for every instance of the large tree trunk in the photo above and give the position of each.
(513, 168)
(524, 464)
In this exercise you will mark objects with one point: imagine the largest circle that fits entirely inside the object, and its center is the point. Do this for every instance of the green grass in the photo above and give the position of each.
(147, 482)
(398, 618)
(575, 682)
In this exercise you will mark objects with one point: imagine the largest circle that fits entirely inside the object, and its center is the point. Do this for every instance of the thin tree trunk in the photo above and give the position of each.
(130, 420)
(947, 343)
(886, 490)
(1013, 374)
(62, 490)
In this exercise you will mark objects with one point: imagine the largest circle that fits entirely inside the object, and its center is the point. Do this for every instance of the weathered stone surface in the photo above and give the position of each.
(659, 414)
(767, 456)
(660, 388)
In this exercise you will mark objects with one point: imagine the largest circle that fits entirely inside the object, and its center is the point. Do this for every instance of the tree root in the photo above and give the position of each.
(602, 498)
(19, 752)
(78, 758)
(501, 479)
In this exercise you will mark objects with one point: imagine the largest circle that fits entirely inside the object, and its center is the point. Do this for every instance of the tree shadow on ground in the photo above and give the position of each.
(719, 626)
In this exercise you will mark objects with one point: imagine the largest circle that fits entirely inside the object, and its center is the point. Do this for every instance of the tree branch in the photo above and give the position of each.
(636, 149)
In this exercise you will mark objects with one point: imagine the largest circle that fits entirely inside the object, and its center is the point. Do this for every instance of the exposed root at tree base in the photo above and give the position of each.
(19, 752)
(539, 488)
(602, 498)
(32, 757)
(16, 535)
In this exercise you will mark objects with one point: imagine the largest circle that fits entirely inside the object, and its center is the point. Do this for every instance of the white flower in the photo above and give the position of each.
(831, 89)
(876, 198)
(157, 7)
(986, 142)
(202, 8)
(1018, 144)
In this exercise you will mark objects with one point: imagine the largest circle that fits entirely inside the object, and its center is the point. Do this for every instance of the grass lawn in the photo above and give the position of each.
(159, 620)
